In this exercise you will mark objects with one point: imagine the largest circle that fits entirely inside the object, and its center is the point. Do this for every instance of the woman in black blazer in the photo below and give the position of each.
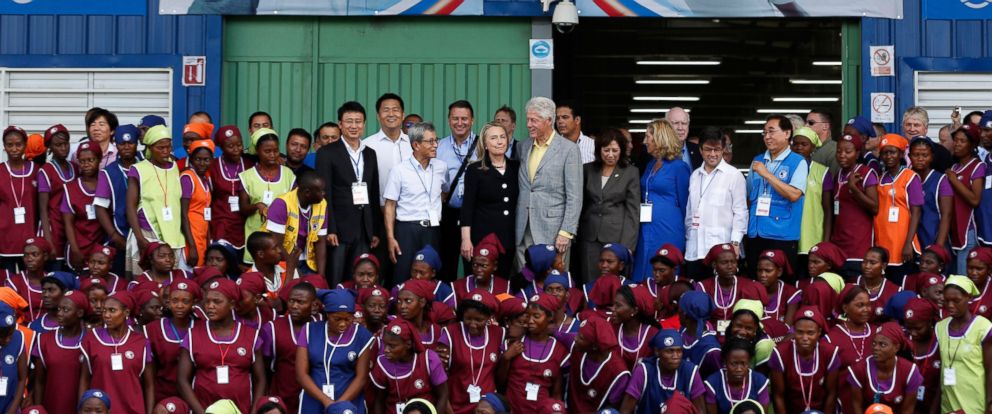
(490, 200)
(610, 202)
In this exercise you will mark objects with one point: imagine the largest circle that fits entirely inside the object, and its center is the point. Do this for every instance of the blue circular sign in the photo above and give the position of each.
(540, 49)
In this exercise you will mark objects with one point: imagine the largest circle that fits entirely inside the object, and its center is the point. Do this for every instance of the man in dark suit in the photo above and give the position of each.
(679, 119)
(351, 174)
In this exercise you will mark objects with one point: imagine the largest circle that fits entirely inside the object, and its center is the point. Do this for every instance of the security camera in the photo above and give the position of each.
(566, 16)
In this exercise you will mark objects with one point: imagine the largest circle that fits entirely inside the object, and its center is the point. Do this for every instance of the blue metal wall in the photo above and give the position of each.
(102, 41)
(921, 44)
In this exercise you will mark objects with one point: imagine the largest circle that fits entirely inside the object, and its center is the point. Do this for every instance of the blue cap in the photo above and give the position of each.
(622, 252)
(493, 399)
(986, 121)
(560, 278)
(863, 125)
(666, 338)
(608, 411)
(429, 255)
(94, 393)
(152, 120)
(697, 306)
(66, 280)
(896, 306)
(8, 316)
(542, 256)
(337, 300)
(341, 407)
(127, 134)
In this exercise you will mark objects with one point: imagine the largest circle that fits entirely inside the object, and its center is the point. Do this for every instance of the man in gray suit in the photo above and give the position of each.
(550, 183)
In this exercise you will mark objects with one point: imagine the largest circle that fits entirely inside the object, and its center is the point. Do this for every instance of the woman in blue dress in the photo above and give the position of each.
(339, 342)
(665, 184)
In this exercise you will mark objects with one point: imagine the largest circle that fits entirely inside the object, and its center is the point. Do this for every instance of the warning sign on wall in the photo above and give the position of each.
(194, 70)
(883, 107)
(881, 61)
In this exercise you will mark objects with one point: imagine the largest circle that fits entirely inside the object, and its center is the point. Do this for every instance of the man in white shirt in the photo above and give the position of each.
(717, 211)
(391, 145)
(568, 120)
(412, 211)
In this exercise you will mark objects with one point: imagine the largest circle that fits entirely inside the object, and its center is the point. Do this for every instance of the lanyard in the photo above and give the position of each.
(116, 343)
(718, 297)
(807, 397)
(165, 189)
(203, 184)
(471, 354)
(355, 163)
(18, 196)
(427, 188)
(327, 359)
(745, 389)
(860, 351)
(238, 168)
(874, 386)
(454, 147)
(708, 179)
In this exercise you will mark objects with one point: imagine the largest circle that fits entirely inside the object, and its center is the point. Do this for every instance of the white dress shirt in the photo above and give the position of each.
(717, 211)
(417, 190)
(388, 154)
(587, 147)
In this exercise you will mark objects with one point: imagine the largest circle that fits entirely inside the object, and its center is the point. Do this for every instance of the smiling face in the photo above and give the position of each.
(460, 121)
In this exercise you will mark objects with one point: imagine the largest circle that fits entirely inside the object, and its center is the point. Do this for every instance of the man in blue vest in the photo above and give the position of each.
(111, 189)
(776, 183)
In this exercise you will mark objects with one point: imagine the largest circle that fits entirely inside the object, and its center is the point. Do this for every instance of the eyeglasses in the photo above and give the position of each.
(812, 122)
(429, 141)
(771, 131)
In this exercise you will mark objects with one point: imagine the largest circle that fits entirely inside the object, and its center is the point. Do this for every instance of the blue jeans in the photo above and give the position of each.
(962, 255)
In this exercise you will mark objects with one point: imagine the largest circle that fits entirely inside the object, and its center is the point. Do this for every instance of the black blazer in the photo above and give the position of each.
(610, 213)
(694, 155)
(490, 204)
(347, 220)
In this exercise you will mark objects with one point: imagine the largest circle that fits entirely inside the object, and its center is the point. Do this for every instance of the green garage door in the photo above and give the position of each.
(301, 69)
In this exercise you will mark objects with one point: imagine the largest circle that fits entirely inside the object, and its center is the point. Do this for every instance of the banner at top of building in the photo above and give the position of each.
(74, 7)
(590, 8)
(958, 9)
(741, 8)
(323, 7)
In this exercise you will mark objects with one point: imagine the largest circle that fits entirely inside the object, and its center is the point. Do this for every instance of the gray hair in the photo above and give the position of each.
(416, 131)
(796, 120)
(917, 112)
(544, 107)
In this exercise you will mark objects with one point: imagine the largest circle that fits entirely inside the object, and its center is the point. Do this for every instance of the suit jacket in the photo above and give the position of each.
(694, 155)
(610, 213)
(347, 220)
(553, 200)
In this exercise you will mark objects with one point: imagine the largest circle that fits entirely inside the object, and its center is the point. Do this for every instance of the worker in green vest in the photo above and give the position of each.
(298, 220)
(153, 196)
(263, 183)
(965, 346)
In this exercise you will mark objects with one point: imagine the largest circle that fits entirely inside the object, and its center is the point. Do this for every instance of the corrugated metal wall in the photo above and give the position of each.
(152, 40)
(274, 64)
(922, 44)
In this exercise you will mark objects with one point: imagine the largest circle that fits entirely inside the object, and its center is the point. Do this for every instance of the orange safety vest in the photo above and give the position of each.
(198, 225)
(892, 227)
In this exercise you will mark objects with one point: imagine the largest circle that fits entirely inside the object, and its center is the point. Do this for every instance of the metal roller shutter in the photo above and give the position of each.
(940, 92)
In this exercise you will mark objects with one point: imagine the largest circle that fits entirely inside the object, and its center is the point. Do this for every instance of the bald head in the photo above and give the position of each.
(679, 119)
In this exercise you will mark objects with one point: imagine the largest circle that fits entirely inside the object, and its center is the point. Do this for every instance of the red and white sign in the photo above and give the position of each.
(882, 58)
(194, 70)
(883, 107)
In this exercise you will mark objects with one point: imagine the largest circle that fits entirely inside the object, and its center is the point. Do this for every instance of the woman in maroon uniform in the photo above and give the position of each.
(98, 263)
(372, 309)
(27, 283)
(536, 361)
(783, 298)
(279, 343)
(633, 317)
(223, 356)
(59, 351)
(967, 179)
(51, 178)
(920, 317)
(18, 199)
(885, 377)
(852, 334)
(804, 370)
(82, 229)
(485, 263)
(252, 309)
(599, 377)
(364, 273)
(160, 260)
(470, 350)
(979, 268)
(227, 222)
(166, 334)
(855, 203)
(407, 370)
(726, 287)
(117, 360)
(413, 303)
(823, 258)
(873, 280)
